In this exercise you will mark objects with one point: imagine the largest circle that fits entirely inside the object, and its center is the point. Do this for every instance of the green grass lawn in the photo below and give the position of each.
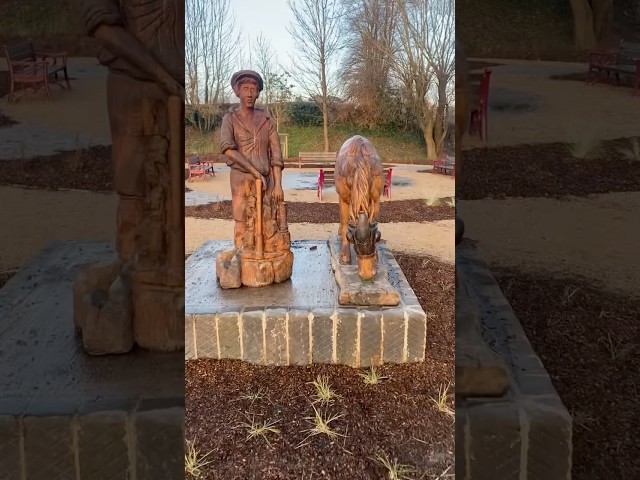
(540, 30)
(393, 147)
(516, 29)
(20, 18)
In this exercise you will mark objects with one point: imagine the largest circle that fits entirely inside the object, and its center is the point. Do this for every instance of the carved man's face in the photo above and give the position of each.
(247, 91)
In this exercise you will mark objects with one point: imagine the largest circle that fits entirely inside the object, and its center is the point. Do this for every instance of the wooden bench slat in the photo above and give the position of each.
(625, 60)
(327, 177)
(25, 68)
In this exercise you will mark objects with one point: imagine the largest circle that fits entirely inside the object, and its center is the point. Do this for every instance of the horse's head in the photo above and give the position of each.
(364, 235)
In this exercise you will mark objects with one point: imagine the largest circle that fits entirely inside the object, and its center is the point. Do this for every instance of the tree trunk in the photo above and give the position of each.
(583, 28)
(602, 19)
(441, 118)
(325, 116)
(207, 80)
(428, 130)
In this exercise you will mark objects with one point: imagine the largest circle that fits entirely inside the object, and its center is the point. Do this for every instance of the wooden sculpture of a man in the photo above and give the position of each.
(139, 298)
(250, 142)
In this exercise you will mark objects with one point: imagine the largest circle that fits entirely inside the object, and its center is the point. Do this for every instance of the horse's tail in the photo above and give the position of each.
(361, 187)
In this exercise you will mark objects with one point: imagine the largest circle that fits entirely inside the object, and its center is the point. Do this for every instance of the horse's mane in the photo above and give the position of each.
(358, 170)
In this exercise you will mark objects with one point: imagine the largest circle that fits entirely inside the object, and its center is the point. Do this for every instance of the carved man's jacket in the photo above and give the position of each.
(258, 141)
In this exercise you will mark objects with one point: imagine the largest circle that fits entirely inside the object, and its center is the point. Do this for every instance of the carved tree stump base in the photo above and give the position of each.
(234, 268)
(228, 269)
(158, 304)
(114, 310)
(272, 268)
(102, 310)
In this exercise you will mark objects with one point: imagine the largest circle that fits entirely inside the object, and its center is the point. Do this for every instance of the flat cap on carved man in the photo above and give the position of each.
(243, 74)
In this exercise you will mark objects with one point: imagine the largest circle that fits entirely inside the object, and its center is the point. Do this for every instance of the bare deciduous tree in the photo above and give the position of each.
(266, 65)
(424, 64)
(316, 30)
(370, 26)
(592, 21)
(210, 41)
(440, 50)
(277, 90)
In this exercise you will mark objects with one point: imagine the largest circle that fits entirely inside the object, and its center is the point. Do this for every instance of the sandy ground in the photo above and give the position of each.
(560, 111)
(413, 184)
(33, 219)
(561, 235)
(430, 239)
(591, 237)
(84, 107)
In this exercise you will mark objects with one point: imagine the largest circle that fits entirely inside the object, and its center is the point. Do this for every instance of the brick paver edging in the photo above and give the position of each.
(116, 438)
(354, 336)
(526, 434)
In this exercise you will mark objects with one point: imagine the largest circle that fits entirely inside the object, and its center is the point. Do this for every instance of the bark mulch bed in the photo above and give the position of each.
(396, 416)
(310, 212)
(577, 329)
(547, 170)
(85, 169)
(5, 277)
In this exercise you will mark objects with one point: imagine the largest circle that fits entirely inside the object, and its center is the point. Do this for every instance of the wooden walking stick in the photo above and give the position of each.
(259, 239)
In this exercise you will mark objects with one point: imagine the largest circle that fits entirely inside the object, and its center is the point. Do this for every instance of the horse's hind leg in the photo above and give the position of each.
(345, 247)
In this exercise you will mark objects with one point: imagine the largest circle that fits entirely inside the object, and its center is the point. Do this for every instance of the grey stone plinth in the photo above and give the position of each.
(299, 321)
(525, 433)
(67, 415)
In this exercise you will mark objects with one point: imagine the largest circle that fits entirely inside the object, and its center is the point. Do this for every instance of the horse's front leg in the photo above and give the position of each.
(345, 247)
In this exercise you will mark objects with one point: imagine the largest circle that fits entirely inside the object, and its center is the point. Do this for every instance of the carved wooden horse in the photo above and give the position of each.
(359, 185)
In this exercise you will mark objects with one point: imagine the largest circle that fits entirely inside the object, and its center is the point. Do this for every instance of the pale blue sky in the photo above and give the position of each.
(272, 18)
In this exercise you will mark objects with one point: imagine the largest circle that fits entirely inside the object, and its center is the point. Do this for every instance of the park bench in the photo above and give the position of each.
(327, 177)
(444, 166)
(316, 159)
(625, 60)
(31, 68)
(195, 169)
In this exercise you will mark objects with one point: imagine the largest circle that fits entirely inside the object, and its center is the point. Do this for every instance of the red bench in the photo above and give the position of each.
(197, 169)
(625, 60)
(478, 122)
(444, 166)
(30, 68)
(327, 177)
